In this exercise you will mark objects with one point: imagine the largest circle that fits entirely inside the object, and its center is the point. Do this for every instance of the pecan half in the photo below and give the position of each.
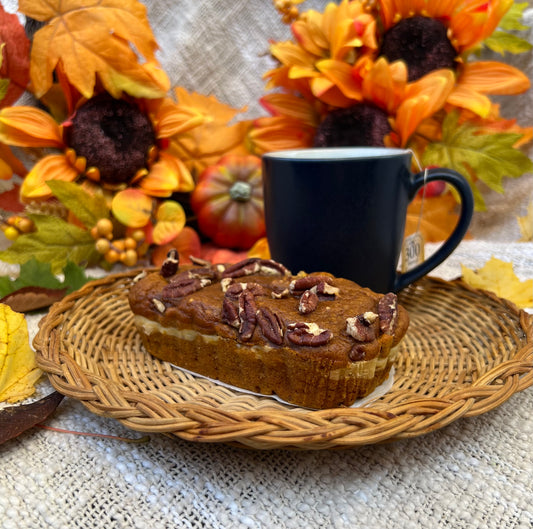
(230, 313)
(321, 284)
(271, 267)
(245, 267)
(247, 317)
(236, 289)
(171, 263)
(360, 327)
(308, 334)
(270, 325)
(183, 287)
(199, 261)
(308, 302)
(388, 313)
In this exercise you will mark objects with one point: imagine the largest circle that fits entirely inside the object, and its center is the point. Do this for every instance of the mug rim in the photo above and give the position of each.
(327, 154)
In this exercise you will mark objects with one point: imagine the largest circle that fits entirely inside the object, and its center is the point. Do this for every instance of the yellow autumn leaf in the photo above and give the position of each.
(18, 370)
(498, 277)
(111, 39)
(526, 224)
(170, 219)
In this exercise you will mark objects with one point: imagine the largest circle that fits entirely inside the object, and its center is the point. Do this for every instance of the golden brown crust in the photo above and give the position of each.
(314, 340)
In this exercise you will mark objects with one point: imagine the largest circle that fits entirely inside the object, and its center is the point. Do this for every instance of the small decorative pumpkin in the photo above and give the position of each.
(228, 201)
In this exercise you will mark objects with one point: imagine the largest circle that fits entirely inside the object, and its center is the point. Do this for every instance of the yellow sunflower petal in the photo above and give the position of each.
(132, 208)
(24, 126)
(385, 84)
(52, 167)
(465, 97)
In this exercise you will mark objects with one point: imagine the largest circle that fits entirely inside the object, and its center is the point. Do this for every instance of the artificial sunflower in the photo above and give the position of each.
(429, 35)
(390, 110)
(117, 144)
(344, 34)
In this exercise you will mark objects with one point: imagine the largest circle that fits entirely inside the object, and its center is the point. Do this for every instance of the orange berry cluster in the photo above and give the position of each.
(126, 250)
(17, 225)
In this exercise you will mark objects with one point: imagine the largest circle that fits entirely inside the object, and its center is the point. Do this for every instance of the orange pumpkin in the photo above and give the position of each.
(228, 201)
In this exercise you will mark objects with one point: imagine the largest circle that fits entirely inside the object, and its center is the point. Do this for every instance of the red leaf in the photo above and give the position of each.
(15, 57)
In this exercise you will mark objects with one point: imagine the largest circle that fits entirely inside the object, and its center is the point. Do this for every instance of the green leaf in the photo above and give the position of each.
(55, 241)
(34, 273)
(501, 42)
(512, 20)
(490, 157)
(87, 208)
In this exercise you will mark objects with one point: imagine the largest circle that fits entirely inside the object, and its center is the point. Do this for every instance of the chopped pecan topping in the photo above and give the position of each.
(308, 302)
(171, 263)
(247, 317)
(308, 334)
(183, 287)
(230, 313)
(159, 305)
(198, 261)
(225, 283)
(202, 273)
(280, 294)
(139, 276)
(357, 353)
(388, 313)
(360, 327)
(270, 325)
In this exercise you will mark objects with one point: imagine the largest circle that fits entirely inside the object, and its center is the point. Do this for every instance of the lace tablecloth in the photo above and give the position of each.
(474, 473)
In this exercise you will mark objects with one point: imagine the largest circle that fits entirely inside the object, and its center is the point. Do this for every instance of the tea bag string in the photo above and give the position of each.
(417, 161)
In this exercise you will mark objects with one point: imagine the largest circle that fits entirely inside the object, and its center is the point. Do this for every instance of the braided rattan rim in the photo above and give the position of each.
(465, 353)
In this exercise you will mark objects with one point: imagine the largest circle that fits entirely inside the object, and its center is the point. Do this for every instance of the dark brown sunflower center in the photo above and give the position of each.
(422, 43)
(113, 135)
(362, 125)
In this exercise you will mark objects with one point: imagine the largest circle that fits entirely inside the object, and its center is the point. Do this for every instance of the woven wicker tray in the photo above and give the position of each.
(465, 353)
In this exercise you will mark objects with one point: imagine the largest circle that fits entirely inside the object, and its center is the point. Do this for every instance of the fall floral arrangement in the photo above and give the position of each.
(122, 165)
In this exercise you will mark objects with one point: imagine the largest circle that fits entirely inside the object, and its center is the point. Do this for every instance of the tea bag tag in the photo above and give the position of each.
(413, 245)
(412, 251)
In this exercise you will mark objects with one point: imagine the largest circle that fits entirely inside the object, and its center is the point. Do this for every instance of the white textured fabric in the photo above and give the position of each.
(474, 473)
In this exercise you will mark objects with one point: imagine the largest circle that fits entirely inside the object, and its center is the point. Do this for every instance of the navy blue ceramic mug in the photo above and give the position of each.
(343, 210)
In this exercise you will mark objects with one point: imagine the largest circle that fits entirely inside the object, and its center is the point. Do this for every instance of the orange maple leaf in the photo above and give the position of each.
(108, 39)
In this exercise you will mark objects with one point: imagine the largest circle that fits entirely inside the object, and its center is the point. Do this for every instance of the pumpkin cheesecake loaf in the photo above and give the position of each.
(314, 340)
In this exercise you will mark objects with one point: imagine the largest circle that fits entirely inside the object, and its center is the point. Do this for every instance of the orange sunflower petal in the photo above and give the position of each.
(289, 105)
(385, 84)
(340, 74)
(423, 98)
(25, 126)
(52, 167)
(172, 119)
(5, 170)
(493, 77)
(279, 133)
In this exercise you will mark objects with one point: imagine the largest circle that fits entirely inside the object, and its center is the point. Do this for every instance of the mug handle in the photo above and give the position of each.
(465, 216)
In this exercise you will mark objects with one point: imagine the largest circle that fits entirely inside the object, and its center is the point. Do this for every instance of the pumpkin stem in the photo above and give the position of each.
(240, 191)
